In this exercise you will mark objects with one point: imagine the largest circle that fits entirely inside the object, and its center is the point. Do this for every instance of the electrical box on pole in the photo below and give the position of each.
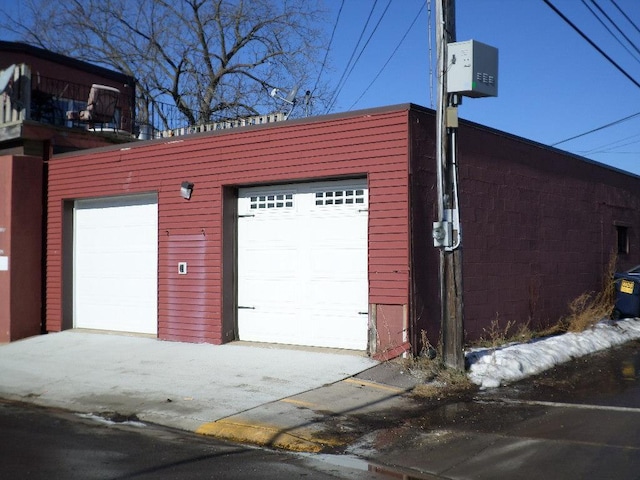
(472, 69)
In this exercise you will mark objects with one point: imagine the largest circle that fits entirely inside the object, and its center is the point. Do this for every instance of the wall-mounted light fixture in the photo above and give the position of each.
(186, 189)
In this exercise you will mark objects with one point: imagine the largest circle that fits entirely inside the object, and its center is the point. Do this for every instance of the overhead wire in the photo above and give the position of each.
(615, 25)
(613, 146)
(355, 49)
(625, 16)
(390, 56)
(585, 37)
(597, 129)
(364, 47)
(591, 42)
(326, 53)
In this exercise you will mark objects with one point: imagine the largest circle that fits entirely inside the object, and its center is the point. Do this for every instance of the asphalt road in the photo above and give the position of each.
(38, 443)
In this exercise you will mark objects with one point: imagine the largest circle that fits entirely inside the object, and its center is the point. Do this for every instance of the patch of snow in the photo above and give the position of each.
(492, 367)
(106, 421)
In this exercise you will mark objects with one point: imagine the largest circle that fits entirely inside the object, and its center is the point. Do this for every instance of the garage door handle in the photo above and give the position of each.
(363, 313)
(246, 308)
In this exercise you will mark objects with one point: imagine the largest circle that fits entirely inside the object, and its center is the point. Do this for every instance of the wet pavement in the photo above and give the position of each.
(607, 377)
(578, 420)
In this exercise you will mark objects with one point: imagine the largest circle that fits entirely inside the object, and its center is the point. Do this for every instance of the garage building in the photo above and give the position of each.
(317, 232)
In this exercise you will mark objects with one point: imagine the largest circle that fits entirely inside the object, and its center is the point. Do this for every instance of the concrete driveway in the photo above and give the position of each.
(181, 385)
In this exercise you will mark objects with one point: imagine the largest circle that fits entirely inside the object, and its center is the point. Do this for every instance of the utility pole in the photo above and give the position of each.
(446, 231)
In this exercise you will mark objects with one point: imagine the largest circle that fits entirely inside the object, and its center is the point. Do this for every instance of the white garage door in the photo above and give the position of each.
(116, 264)
(302, 264)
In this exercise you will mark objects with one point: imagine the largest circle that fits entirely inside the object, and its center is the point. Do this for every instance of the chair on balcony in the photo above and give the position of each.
(101, 107)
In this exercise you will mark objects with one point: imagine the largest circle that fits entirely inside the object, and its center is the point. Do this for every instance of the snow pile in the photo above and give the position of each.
(491, 368)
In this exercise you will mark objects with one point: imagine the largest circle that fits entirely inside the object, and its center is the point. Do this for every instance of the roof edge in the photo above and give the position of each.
(25, 48)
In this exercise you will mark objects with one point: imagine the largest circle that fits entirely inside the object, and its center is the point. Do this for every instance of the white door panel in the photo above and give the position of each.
(116, 264)
(302, 264)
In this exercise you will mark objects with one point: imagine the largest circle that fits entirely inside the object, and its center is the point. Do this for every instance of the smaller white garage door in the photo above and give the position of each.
(116, 264)
(302, 264)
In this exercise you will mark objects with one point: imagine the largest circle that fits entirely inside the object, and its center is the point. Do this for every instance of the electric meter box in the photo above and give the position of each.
(472, 69)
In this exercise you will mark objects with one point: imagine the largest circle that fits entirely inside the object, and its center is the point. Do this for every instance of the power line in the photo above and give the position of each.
(326, 54)
(612, 146)
(355, 48)
(611, 124)
(612, 22)
(591, 42)
(626, 16)
(366, 43)
(390, 56)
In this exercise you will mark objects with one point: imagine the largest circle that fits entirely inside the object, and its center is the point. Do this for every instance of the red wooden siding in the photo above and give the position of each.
(372, 144)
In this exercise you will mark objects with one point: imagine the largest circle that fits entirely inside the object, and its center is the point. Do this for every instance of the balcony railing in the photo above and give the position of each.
(31, 96)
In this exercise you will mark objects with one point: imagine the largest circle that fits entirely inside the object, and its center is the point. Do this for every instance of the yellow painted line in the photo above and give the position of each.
(292, 439)
(300, 403)
(379, 386)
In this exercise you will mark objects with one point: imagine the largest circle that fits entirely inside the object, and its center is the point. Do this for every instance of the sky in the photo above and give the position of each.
(552, 84)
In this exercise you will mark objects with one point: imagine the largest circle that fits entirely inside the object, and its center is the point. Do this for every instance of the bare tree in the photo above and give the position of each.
(212, 59)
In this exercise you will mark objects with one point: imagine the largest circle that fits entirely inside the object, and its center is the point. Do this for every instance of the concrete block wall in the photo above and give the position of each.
(539, 229)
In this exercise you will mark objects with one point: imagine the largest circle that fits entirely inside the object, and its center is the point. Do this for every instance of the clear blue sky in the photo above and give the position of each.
(552, 83)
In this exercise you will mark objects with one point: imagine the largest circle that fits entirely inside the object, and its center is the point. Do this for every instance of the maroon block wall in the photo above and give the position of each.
(539, 228)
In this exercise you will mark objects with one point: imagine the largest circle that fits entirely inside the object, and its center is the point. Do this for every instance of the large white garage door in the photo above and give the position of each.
(302, 264)
(116, 264)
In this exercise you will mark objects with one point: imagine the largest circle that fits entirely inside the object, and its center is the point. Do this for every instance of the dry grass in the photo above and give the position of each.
(497, 334)
(439, 381)
(589, 308)
(446, 383)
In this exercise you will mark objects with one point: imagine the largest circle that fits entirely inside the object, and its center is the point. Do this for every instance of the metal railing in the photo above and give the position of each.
(35, 97)
(31, 96)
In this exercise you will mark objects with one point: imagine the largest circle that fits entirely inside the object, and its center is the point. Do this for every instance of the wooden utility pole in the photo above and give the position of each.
(447, 230)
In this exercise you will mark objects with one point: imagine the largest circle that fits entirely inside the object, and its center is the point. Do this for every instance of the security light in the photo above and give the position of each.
(186, 189)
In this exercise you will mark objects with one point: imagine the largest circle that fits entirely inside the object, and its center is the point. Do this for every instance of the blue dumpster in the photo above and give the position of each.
(627, 286)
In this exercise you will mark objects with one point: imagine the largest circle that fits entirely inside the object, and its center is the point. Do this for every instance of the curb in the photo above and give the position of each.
(295, 440)
(302, 423)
